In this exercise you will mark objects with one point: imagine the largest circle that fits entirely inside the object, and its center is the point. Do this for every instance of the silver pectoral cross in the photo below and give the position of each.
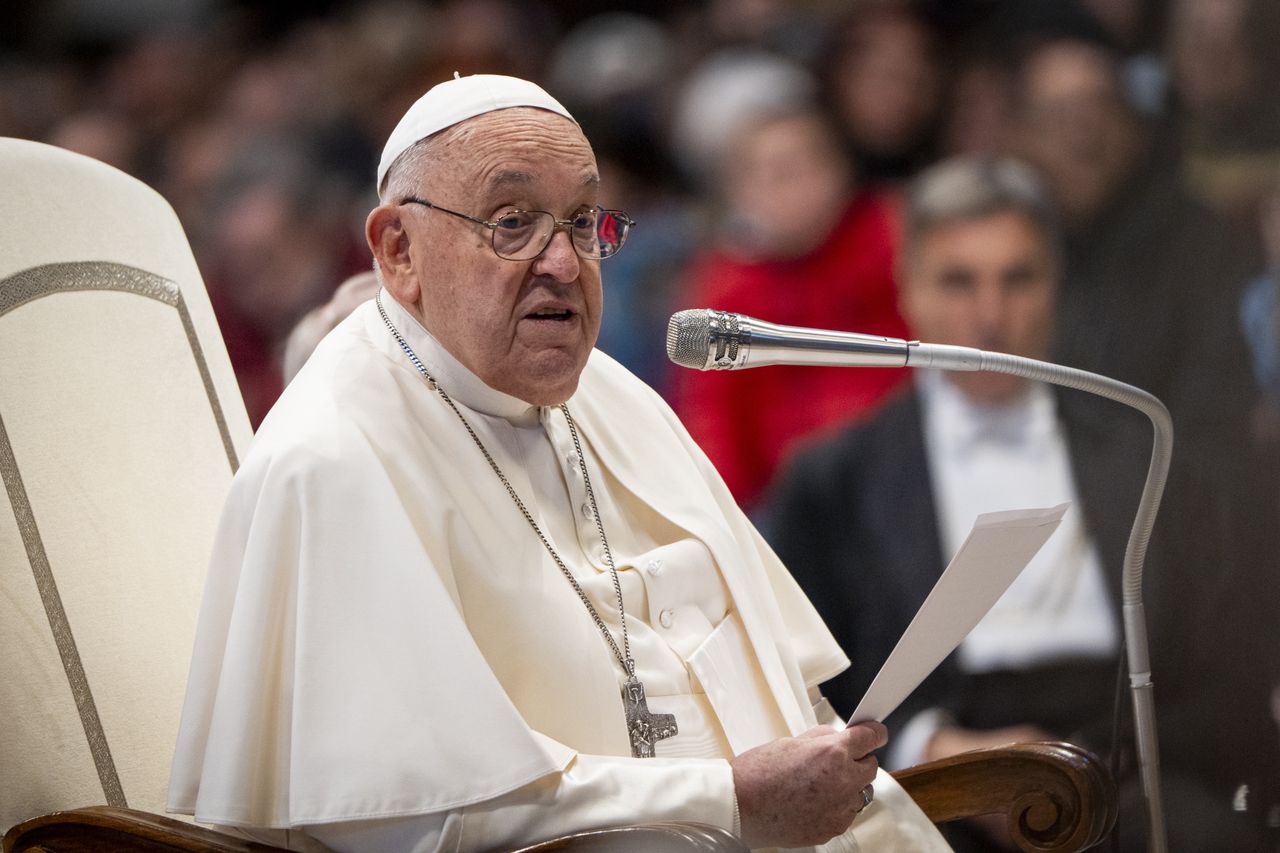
(644, 728)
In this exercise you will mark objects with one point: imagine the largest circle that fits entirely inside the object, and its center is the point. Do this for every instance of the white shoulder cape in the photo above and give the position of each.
(335, 674)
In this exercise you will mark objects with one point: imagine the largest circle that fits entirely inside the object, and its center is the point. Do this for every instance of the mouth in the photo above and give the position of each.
(551, 315)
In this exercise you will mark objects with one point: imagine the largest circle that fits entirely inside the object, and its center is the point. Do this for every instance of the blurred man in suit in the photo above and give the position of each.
(867, 520)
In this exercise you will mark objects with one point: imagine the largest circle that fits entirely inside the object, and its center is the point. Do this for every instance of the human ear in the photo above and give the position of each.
(389, 242)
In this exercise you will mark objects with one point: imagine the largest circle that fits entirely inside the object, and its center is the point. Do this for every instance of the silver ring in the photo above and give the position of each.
(868, 793)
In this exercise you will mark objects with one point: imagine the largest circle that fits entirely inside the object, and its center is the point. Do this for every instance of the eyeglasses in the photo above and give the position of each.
(522, 235)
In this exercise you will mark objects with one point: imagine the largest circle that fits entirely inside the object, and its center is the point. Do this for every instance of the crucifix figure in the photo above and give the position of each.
(644, 728)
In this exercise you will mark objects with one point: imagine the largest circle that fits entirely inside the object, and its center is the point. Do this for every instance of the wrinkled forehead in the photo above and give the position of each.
(514, 149)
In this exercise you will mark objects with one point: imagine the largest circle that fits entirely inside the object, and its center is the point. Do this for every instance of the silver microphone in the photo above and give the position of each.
(719, 340)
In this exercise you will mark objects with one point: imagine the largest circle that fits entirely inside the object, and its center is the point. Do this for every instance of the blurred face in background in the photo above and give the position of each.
(979, 118)
(101, 135)
(275, 259)
(885, 81)
(1210, 54)
(786, 181)
(987, 282)
(1075, 127)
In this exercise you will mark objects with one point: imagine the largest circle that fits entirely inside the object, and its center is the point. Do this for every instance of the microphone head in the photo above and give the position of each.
(689, 337)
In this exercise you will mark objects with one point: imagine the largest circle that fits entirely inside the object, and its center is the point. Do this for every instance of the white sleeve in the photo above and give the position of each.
(593, 792)
(823, 712)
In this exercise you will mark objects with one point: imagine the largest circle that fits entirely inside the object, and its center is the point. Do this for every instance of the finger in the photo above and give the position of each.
(817, 731)
(881, 732)
(867, 737)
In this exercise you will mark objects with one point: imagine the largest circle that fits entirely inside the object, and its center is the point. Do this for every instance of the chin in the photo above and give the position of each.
(992, 389)
(541, 375)
(551, 385)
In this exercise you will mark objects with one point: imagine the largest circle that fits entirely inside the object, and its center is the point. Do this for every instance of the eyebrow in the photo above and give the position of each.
(510, 177)
(507, 177)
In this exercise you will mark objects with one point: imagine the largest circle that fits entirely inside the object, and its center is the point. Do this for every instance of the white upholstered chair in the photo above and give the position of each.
(120, 427)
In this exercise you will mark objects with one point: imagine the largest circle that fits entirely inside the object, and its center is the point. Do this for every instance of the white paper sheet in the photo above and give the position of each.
(993, 554)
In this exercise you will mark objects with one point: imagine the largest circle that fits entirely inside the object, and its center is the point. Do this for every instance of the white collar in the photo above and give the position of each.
(960, 424)
(454, 377)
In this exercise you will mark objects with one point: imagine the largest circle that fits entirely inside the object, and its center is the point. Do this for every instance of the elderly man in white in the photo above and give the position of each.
(474, 585)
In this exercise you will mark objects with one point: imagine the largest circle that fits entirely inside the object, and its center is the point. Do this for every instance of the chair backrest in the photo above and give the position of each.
(120, 427)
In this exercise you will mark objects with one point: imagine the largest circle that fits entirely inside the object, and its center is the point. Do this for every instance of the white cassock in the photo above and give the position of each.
(387, 658)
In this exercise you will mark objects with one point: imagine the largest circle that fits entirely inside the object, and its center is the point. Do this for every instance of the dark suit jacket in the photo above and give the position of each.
(854, 520)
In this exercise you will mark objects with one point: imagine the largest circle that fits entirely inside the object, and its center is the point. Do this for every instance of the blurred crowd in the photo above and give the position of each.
(741, 134)
(762, 146)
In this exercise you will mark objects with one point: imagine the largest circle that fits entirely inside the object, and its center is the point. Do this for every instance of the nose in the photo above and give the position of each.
(991, 311)
(558, 260)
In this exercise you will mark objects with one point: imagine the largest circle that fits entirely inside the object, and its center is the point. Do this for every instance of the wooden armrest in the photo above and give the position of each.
(97, 828)
(1057, 797)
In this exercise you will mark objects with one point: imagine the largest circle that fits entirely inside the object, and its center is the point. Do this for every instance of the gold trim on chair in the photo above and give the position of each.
(18, 290)
(58, 624)
(35, 283)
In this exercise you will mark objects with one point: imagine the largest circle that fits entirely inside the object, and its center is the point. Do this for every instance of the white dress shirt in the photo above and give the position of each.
(986, 458)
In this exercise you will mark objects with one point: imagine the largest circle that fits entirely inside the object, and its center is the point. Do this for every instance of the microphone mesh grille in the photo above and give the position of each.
(688, 336)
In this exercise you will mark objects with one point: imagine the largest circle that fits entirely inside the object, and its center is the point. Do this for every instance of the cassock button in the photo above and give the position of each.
(666, 618)
(572, 461)
(586, 510)
(654, 567)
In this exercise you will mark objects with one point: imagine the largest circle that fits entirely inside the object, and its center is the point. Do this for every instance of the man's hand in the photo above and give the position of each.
(801, 791)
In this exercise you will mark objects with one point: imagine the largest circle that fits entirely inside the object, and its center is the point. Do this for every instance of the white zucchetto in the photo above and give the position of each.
(461, 98)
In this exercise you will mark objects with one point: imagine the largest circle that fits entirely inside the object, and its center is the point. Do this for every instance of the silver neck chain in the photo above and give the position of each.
(624, 654)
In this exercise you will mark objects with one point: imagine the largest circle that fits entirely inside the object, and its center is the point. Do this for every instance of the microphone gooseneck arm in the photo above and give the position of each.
(1135, 622)
(719, 340)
